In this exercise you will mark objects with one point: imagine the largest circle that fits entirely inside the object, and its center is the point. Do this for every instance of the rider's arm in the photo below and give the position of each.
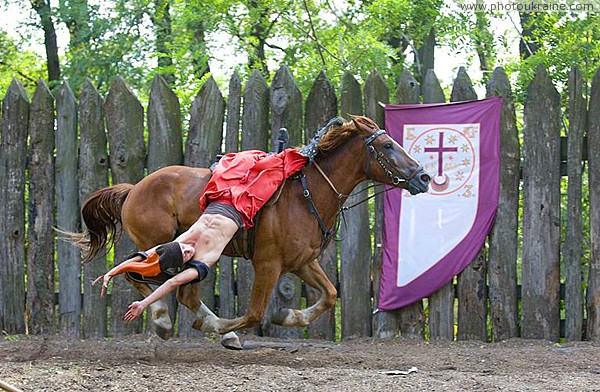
(137, 307)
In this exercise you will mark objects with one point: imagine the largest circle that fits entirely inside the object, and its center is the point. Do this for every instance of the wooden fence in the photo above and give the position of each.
(56, 150)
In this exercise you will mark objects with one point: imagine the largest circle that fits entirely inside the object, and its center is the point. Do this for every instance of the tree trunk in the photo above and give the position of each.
(162, 29)
(528, 44)
(42, 7)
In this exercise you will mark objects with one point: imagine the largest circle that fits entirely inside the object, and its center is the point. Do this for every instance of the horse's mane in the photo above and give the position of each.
(339, 134)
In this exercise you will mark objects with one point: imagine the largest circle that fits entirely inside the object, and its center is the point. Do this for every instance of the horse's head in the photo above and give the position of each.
(387, 161)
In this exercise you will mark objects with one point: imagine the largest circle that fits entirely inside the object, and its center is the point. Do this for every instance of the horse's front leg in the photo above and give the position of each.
(313, 275)
(189, 296)
(160, 311)
(265, 277)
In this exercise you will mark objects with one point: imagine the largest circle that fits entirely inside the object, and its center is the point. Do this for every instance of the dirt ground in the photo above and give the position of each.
(52, 363)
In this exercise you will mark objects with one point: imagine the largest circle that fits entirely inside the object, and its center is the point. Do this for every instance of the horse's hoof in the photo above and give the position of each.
(163, 329)
(231, 341)
(281, 317)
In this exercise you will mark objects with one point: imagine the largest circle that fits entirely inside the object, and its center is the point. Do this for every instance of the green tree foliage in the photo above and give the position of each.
(27, 66)
(560, 40)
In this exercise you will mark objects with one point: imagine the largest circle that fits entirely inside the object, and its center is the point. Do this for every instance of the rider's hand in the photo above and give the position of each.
(135, 310)
(105, 279)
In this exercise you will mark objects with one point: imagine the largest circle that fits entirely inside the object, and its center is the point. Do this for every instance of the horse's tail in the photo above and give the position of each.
(101, 214)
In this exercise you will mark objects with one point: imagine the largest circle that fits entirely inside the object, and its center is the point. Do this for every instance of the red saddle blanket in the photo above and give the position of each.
(247, 180)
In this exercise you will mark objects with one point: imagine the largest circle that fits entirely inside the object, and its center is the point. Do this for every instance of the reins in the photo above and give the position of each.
(379, 157)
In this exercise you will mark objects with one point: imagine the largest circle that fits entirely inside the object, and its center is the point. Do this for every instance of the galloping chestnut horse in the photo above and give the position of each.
(290, 231)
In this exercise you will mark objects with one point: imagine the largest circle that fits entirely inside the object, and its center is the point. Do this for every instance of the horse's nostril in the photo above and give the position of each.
(425, 177)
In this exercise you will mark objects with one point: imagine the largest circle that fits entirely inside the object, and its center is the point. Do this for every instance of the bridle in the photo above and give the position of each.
(327, 233)
(381, 159)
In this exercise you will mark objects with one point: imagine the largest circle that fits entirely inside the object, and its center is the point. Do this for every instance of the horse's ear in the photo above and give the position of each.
(359, 124)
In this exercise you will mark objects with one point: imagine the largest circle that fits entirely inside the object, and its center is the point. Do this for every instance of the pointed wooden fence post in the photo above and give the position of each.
(593, 289)
(502, 258)
(165, 147)
(93, 175)
(165, 136)
(15, 118)
(472, 285)
(202, 146)
(574, 239)
(320, 107)
(384, 324)
(232, 140)
(67, 212)
(286, 111)
(410, 319)
(541, 210)
(125, 126)
(441, 303)
(286, 107)
(355, 247)
(40, 235)
(255, 126)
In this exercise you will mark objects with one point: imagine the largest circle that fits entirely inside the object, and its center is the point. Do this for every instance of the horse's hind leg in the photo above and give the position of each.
(160, 311)
(313, 275)
(265, 277)
(189, 296)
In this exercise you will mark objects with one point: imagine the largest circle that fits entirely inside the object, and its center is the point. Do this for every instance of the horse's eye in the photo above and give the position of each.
(388, 146)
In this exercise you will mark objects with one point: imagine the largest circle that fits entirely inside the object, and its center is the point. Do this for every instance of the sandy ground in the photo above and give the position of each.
(141, 363)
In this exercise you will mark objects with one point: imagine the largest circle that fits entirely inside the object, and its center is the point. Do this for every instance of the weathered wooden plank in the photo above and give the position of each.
(255, 126)
(232, 141)
(93, 175)
(320, 107)
(67, 211)
(410, 319)
(355, 247)
(165, 146)
(384, 324)
(234, 106)
(593, 289)
(541, 209)
(201, 148)
(40, 236)
(574, 237)
(286, 112)
(255, 114)
(502, 258)
(165, 141)
(286, 107)
(125, 126)
(441, 303)
(472, 285)
(15, 118)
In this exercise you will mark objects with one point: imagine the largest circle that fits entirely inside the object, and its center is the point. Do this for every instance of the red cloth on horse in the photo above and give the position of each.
(247, 179)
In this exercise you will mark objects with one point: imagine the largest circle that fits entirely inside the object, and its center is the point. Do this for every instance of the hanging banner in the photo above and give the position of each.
(430, 238)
